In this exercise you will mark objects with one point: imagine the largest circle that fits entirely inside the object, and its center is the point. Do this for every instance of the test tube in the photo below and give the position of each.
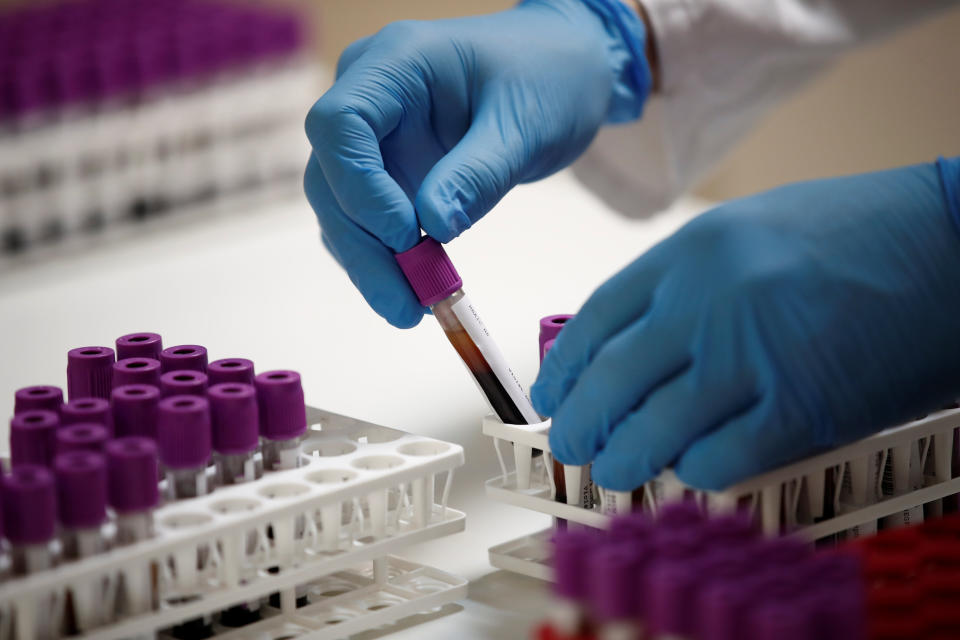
(32, 437)
(183, 382)
(437, 285)
(235, 428)
(89, 372)
(283, 418)
(82, 500)
(135, 409)
(30, 517)
(192, 357)
(132, 486)
(183, 438)
(37, 397)
(133, 495)
(615, 579)
(136, 371)
(571, 557)
(230, 370)
(87, 410)
(139, 345)
(83, 436)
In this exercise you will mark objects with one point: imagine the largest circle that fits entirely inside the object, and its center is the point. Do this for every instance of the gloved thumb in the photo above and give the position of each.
(472, 177)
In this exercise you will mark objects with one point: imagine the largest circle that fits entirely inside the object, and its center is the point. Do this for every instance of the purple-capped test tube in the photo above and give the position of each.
(136, 370)
(132, 488)
(89, 372)
(236, 431)
(37, 397)
(571, 557)
(82, 499)
(670, 587)
(191, 357)
(615, 583)
(32, 437)
(183, 382)
(283, 418)
(184, 440)
(780, 620)
(82, 437)
(139, 345)
(230, 370)
(135, 409)
(87, 410)
(30, 518)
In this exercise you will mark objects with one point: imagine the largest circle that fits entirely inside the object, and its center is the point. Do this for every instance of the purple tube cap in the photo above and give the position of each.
(191, 357)
(679, 515)
(550, 327)
(785, 551)
(571, 553)
(82, 437)
(139, 345)
(132, 474)
(731, 530)
(671, 587)
(96, 410)
(135, 410)
(633, 527)
(235, 417)
(615, 581)
(183, 432)
(81, 488)
(780, 620)
(43, 397)
(230, 370)
(283, 414)
(32, 436)
(89, 372)
(183, 383)
(136, 370)
(429, 271)
(29, 505)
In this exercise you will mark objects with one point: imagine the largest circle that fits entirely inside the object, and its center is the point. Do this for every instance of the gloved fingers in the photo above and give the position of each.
(744, 445)
(628, 368)
(345, 127)
(370, 265)
(669, 420)
(353, 51)
(472, 177)
(623, 299)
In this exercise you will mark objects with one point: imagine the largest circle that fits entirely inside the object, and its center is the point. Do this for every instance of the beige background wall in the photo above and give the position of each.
(893, 103)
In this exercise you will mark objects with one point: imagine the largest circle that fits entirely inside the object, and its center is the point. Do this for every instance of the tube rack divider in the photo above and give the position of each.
(783, 500)
(364, 493)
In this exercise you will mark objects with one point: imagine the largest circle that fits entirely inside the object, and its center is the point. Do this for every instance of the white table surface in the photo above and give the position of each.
(258, 284)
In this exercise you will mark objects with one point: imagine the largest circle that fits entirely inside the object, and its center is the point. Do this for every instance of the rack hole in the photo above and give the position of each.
(328, 449)
(288, 490)
(332, 476)
(378, 462)
(235, 505)
(186, 520)
(423, 448)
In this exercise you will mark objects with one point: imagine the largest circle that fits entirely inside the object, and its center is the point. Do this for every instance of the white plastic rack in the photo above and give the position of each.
(892, 477)
(327, 530)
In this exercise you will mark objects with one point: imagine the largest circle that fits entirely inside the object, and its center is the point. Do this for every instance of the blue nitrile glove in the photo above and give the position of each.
(764, 330)
(430, 123)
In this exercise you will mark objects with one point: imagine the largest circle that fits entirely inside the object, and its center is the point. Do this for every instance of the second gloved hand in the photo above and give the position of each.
(762, 331)
(429, 124)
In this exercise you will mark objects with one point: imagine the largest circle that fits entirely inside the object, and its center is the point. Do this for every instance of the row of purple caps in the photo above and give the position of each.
(688, 576)
(77, 490)
(171, 395)
(132, 53)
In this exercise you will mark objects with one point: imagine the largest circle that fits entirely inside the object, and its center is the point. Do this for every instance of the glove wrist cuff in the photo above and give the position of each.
(950, 179)
(626, 50)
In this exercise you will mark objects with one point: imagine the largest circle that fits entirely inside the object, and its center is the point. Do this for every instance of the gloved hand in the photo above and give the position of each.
(764, 330)
(430, 123)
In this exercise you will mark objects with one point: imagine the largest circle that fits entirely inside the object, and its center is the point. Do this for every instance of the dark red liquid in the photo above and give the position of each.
(500, 401)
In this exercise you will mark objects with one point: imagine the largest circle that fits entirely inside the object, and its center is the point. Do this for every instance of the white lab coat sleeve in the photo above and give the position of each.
(723, 64)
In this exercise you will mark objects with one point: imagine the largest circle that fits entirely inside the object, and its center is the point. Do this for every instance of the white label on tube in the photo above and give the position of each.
(465, 312)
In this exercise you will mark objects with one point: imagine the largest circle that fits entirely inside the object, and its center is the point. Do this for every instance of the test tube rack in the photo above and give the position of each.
(116, 112)
(841, 493)
(363, 493)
